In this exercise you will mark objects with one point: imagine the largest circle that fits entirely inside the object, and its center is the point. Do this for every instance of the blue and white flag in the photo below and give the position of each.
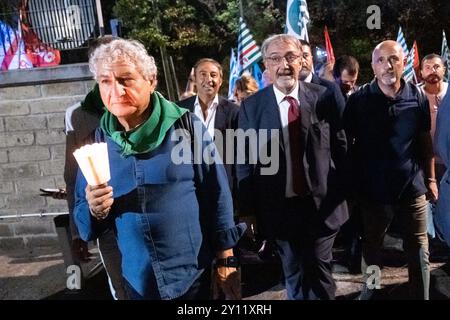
(445, 54)
(409, 73)
(297, 19)
(401, 39)
(258, 75)
(234, 75)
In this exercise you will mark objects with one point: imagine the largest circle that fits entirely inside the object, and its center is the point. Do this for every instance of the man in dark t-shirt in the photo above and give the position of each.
(387, 123)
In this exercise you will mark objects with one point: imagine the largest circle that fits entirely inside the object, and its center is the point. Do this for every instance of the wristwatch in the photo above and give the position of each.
(230, 262)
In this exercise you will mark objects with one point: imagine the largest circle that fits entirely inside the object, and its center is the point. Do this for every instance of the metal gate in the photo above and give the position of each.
(63, 24)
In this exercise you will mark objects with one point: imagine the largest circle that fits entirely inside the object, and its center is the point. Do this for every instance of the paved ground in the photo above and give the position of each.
(39, 273)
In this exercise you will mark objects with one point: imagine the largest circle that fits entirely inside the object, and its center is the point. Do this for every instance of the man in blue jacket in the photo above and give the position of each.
(170, 219)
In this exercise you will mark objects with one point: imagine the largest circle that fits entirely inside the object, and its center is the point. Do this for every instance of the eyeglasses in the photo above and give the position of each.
(290, 58)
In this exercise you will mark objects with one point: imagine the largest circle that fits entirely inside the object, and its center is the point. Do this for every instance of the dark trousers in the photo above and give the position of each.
(306, 253)
(413, 216)
(112, 261)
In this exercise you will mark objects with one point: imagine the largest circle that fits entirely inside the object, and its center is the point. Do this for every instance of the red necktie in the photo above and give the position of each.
(296, 146)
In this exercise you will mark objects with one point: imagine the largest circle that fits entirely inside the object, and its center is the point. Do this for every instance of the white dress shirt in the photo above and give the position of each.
(283, 107)
(308, 78)
(211, 117)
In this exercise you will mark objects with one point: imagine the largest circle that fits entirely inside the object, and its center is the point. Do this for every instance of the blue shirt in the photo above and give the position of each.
(383, 142)
(169, 219)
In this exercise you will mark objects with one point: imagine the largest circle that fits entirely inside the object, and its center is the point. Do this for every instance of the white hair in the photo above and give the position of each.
(130, 51)
(286, 38)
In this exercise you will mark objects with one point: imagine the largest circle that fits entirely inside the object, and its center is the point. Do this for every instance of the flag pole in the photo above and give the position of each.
(101, 25)
(241, 15)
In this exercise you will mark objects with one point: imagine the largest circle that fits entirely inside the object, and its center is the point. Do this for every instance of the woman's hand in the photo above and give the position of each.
(100, 199)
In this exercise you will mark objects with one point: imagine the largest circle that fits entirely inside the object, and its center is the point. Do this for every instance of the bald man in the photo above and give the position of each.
(388, 121)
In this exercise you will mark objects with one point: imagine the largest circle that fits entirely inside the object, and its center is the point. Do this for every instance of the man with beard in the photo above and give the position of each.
(388, 121)
(434, 87)
(345, 73)
(307, 75)
(300, 206)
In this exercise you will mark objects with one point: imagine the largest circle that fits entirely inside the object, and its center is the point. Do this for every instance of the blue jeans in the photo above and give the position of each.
(430, 222)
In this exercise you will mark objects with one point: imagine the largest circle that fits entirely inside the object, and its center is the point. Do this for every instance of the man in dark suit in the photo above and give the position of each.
(345, 73)
(350, 234)
(307, 75)
(301, 206)
(216, 112)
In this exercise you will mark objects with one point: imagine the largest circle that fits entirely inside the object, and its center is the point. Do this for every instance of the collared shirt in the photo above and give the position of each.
(283, 107)
(386, 156)
(434, 100)
(211, 117)
(159, 219)
(308, 79)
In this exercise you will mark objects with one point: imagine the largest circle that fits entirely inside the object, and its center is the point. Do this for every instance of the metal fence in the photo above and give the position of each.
(60, 24)
(63, 24)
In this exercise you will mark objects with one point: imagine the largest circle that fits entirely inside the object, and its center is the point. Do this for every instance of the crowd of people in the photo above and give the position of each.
(347, 156)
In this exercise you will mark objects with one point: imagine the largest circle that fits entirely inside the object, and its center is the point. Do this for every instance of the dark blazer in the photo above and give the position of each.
(226, 114)
(333, 89)
(324, 156)
(226, 118)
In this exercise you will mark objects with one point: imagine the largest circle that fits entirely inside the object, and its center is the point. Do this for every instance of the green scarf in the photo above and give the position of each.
(149, 135)
(93, 103)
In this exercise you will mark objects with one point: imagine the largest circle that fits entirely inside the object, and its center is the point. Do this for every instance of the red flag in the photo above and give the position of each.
(40, 54)
(416, 63)
(416, 55)
(328, 46)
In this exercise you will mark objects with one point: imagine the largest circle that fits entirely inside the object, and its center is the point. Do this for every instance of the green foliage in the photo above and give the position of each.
(9, 11)
(172, 24)
(192, 29)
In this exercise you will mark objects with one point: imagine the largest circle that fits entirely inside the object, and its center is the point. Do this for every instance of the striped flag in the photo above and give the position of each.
(234, 75)
(409, 72)
(248, 50)
(12, 49)
(401, 39)
(297, 19)
(445, 54)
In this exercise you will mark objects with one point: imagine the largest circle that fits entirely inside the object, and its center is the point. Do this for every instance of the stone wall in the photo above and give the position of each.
(32, 145)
